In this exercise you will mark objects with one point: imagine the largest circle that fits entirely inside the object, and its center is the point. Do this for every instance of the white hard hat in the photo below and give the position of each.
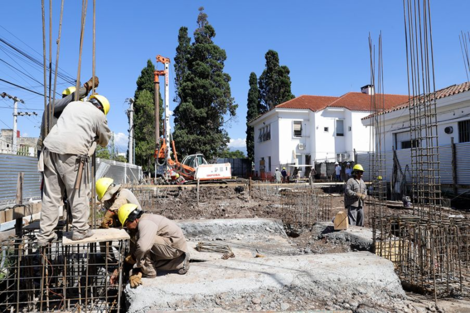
(348, 163)
(277, 169)
(336, 163)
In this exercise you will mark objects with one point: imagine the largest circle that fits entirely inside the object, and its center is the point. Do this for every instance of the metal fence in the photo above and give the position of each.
(10, 166)
(445, 163)
(240, 167)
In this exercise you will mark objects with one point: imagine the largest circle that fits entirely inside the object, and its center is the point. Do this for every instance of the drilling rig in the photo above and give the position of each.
(168, 169)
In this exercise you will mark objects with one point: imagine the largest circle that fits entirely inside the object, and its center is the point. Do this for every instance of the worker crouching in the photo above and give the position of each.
(160, 244)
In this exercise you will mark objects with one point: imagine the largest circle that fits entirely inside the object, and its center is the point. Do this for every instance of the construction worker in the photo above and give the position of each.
(278, 176)
(338, 171)
(284, 175)
(160, 244)
(64, 161)
(113, 196)
(68, 95)
(354, 196)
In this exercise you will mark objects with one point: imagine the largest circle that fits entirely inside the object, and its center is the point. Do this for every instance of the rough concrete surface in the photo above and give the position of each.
(326, 280)
(358, 237)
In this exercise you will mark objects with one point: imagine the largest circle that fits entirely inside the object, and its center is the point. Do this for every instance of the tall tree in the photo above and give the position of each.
(252, 113)
(144, 117)
(274, 83)
(205, 96)
(183, 52)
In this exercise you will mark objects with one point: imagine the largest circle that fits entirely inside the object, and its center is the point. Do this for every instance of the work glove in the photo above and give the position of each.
(361, 196)
(130, 259)
(135, 280)
(108, 219)
(89, 84)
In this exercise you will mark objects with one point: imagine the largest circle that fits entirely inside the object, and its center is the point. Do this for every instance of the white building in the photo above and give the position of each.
(309, 130)
(453, 119)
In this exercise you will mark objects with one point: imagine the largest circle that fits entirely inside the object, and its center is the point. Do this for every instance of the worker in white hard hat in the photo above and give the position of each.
(348, 171)
(338, 171)
(354, 196)
(113, 196)
(278, 176)
(64, 161)
(160, 244)
(68, 95)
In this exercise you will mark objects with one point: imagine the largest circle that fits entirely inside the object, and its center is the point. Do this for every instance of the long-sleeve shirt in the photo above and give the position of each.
(58, 107)
(152, 225)
(80, 124)
(124, 196)
(353, 187)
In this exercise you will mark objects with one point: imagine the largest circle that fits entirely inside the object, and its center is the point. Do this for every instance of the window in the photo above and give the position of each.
(349, 128)
(265, 133)
(403, 141)
(464, 131)
(297, 129)
(339, 128)
(269, 164)
(325, 129)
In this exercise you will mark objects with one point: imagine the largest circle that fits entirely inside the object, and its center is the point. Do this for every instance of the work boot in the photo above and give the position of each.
(44, 242)
(185, 267)
(82, 235)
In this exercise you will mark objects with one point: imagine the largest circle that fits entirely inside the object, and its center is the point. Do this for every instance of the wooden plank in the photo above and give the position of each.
(99, 235)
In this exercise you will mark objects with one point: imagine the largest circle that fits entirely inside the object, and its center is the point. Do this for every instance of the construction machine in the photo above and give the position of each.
(168, 169)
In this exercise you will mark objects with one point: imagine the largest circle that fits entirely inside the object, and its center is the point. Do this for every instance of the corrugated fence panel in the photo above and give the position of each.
(10, 166)
(445, 163)
(122, 173)
(463, 163)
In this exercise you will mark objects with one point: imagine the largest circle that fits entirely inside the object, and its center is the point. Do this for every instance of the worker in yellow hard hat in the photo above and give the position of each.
(66, 152)
(284, 174)
(160, 244)
(354, 196)
(112, 197)
(68, 95)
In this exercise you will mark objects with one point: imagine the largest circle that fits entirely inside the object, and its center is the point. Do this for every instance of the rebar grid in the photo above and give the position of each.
(73, 278)
(429, 256)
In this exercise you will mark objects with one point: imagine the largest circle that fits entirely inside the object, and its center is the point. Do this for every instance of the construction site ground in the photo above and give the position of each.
(255, 257)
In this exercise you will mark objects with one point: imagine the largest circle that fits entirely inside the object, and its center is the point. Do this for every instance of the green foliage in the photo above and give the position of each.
(274, 83)
(181, 59)
(110, 152)
(237, 154)
(252, 113)
(144, 117)
(204, 94)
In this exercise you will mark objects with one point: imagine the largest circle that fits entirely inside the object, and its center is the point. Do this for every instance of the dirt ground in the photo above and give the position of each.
(231, 202)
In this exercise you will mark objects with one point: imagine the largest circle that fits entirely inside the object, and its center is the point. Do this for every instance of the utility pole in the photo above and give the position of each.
(130, 115)
(15, 119)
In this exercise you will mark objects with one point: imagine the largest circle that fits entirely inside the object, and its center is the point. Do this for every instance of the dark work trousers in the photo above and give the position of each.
(355, 216)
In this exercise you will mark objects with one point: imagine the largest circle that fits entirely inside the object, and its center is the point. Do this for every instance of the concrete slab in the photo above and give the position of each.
(360, 238)
(320, 277)
(246, 236)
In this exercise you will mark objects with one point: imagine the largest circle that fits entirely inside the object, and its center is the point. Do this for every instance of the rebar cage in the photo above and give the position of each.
(73, 277)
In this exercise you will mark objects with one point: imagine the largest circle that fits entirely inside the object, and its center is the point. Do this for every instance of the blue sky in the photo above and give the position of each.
(324, 43)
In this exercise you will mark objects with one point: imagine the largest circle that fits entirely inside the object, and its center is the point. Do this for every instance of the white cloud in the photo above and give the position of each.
(237, 144)
(121, 141)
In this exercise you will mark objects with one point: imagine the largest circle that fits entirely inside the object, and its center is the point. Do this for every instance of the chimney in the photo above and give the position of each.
(17, 134)
(368, 90)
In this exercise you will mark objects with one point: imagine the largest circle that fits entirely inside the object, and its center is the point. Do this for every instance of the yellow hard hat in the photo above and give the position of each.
(283, 168)
(104, 102)
(379, 177)
(358, 167)
(102, 186)
(124, 212)
(69, 91)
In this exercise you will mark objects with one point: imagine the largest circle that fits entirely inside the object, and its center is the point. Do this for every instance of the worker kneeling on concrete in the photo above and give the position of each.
(160, 244)
(113, 196)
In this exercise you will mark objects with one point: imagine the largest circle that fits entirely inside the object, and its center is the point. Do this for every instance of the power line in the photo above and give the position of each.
(6, 81)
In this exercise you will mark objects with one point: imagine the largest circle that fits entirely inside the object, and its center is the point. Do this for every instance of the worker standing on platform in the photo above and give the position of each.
(59, 105)
(64, 160)
(160, 244)
(113, 196)
(354, 196)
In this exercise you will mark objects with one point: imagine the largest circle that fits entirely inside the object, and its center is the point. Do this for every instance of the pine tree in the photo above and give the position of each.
(205, 96)
(274, 83)
(183, 52)
(252, 113)
(144, 117)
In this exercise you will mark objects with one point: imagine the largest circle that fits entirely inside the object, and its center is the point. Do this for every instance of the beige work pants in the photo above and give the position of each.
(162, 256)
(60, 173)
